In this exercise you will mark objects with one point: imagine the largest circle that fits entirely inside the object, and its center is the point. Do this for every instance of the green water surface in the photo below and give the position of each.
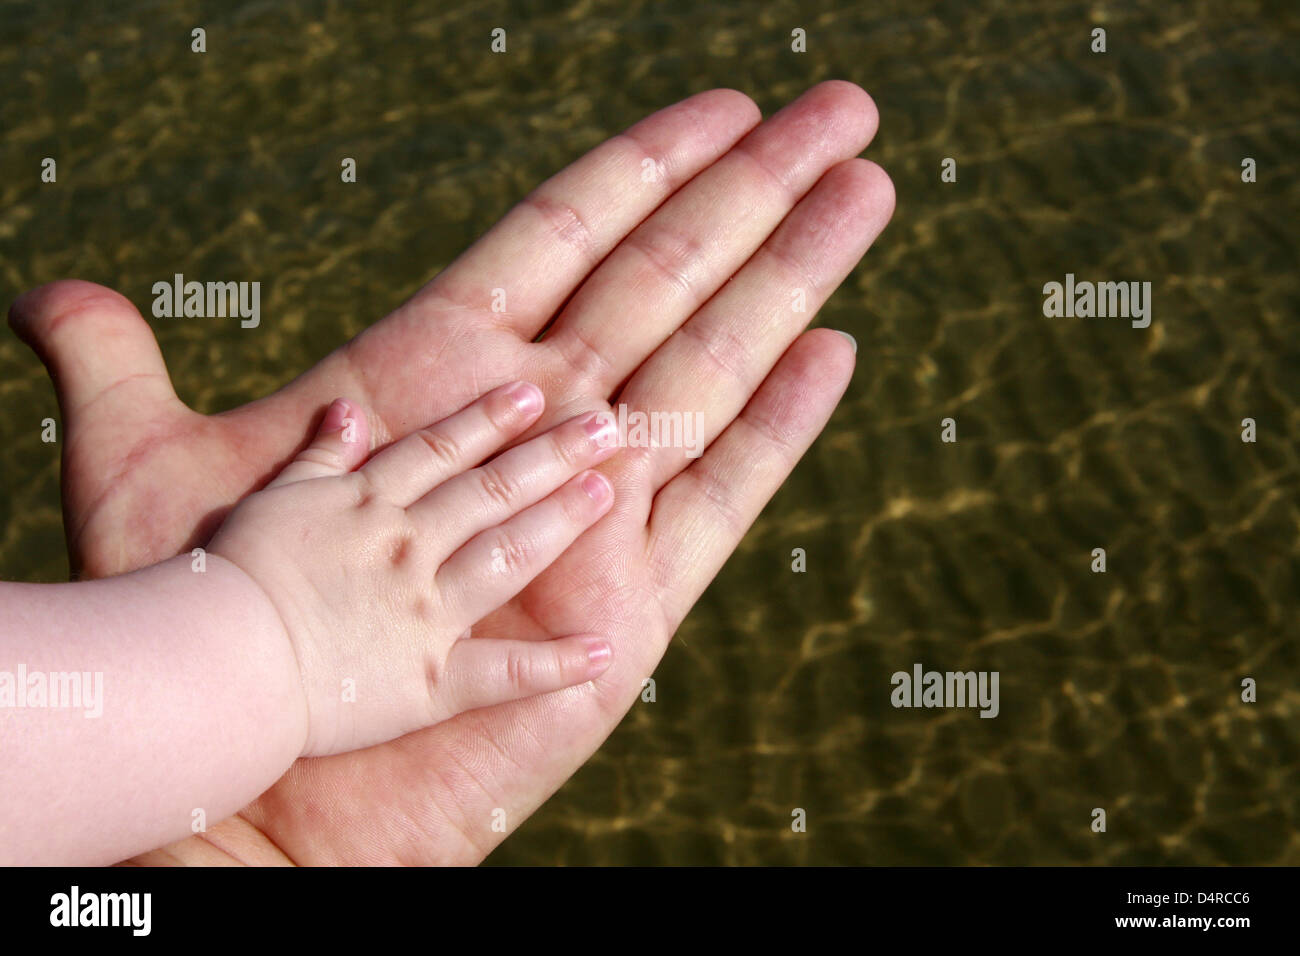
(1118, 690)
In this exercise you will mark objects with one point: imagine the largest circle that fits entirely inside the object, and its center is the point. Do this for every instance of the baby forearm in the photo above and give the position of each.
(136, 709)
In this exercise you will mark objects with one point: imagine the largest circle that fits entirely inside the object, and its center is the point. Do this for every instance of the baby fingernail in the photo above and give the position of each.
(597, 487)
(598, 654)
(526, 397)
(600, 428)
(335, 416)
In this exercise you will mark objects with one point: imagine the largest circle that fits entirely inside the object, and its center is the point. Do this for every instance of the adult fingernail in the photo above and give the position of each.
(526, 397)
(852, 341)
(335, 415)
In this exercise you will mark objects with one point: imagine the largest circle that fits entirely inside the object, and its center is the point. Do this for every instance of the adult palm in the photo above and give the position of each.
(665, 269)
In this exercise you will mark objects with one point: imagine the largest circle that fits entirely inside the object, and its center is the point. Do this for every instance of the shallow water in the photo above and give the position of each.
(1118, 690)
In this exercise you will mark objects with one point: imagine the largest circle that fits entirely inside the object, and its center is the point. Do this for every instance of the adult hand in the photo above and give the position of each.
(666, 292)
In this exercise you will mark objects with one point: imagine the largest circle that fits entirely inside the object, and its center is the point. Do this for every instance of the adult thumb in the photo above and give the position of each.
(98, 349)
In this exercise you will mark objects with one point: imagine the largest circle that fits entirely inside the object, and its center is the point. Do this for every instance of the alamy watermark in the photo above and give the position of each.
(923, 688)
(636, 429)
(57, 690)
(1116, 300)
(211, 300)
(133, 911)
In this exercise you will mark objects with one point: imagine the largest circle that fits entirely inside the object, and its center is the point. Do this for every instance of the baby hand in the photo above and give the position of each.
(378, 572)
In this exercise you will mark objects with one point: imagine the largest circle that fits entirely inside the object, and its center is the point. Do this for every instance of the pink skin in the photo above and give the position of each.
(671, 295)
(379, 568)
(332, 611)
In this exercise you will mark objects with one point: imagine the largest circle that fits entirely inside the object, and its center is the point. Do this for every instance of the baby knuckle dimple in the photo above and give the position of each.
(363, 494)
(402, 549)
(435, 685)
(422, 609)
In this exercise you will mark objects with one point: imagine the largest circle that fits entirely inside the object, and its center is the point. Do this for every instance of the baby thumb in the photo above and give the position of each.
(341, 443)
